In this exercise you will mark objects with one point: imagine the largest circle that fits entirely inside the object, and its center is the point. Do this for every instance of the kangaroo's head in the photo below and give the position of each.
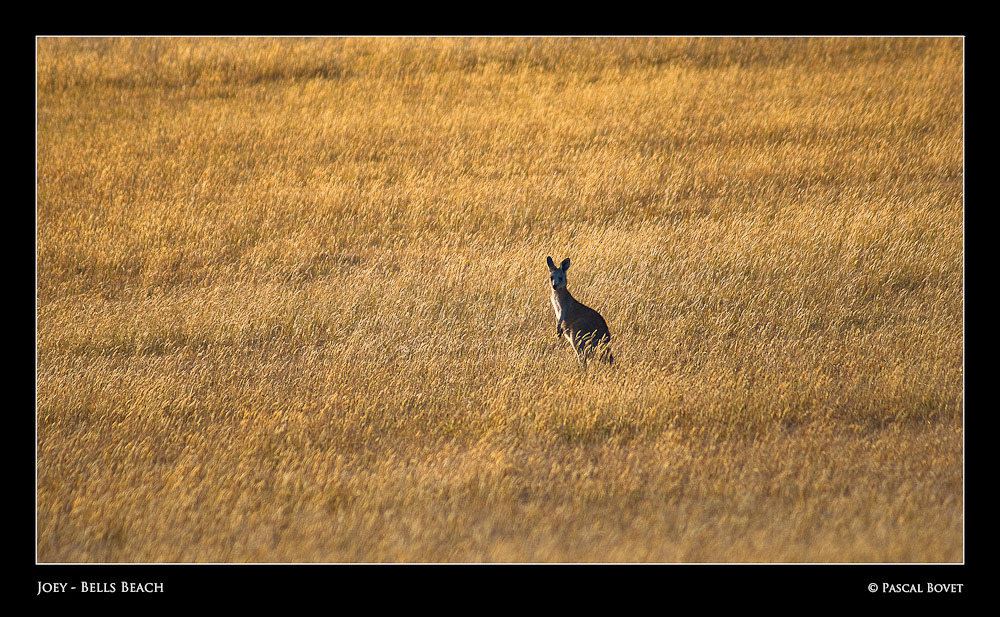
(558, 275)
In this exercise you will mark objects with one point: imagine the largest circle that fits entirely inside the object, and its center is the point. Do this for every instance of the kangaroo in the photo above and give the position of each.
(582, 326)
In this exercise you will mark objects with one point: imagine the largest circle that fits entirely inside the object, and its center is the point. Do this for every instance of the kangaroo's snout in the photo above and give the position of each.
(558, 279)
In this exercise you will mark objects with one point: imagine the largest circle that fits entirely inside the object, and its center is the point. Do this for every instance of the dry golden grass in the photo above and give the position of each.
(292, 304)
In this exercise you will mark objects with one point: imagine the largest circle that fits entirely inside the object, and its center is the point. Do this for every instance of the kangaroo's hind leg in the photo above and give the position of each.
(580, 348)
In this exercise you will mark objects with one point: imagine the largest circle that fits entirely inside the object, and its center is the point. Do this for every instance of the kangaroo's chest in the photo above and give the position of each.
(557, 306)
(565, 308)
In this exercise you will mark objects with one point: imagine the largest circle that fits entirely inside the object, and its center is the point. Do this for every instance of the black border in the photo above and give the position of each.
(445, 586)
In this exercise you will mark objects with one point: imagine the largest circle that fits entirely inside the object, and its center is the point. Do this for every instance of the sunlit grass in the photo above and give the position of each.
(292, 305)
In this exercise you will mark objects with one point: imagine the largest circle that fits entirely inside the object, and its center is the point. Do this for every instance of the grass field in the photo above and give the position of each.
(292, 300)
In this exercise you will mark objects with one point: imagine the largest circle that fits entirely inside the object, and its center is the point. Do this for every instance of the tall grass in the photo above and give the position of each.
(291, 299)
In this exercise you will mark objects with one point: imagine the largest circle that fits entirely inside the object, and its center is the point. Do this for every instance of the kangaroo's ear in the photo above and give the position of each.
(552, 266)
(564, 266)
